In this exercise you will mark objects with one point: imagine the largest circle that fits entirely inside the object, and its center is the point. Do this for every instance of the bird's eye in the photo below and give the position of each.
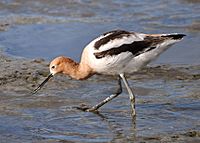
(53, 67)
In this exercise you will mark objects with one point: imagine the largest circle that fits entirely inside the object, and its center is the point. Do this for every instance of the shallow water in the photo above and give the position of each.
(50, 28)
(167, 96)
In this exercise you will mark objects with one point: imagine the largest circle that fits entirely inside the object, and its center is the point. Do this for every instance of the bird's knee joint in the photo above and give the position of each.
(92, 110)
(132, 100)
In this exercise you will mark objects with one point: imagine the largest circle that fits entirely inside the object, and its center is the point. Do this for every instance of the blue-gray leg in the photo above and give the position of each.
(119, 91)
(97, 106)
(131, 95)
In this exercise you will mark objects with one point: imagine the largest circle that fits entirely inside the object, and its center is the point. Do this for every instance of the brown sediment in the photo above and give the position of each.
(18, 73)
(4, 26)
(167, 72)
(22, 73)
(188, 136)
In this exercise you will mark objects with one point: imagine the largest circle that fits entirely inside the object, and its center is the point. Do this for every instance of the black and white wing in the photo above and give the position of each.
(112, 51)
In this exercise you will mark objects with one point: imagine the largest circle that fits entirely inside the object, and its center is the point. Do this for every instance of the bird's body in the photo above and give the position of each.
(115, 53)
(120, 51)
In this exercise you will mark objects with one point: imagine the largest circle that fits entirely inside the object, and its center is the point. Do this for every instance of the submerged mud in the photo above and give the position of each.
(167, 105)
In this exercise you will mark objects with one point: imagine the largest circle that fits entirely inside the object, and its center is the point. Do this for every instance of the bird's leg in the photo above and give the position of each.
(119, 91)
(131, 95)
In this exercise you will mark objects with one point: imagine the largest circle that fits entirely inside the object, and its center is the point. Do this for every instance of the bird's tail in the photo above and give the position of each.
(173, 36)
(165, 40)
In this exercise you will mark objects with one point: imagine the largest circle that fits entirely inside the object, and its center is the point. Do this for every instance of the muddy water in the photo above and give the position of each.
(167, 92)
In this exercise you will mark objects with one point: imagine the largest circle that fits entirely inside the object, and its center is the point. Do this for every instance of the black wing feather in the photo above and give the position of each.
(135, 48)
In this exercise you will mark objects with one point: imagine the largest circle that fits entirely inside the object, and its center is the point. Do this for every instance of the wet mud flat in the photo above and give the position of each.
(167, 105)
(167, 96)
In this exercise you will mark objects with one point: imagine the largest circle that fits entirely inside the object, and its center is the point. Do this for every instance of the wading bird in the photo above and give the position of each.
(117, 53)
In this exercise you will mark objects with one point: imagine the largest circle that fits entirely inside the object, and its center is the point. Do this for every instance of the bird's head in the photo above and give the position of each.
(56, 66)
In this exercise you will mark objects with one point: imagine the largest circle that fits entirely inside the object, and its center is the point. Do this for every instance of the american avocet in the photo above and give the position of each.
(114, 53)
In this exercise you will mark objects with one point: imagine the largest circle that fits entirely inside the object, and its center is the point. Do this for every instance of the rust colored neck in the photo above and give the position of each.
(79, 71)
